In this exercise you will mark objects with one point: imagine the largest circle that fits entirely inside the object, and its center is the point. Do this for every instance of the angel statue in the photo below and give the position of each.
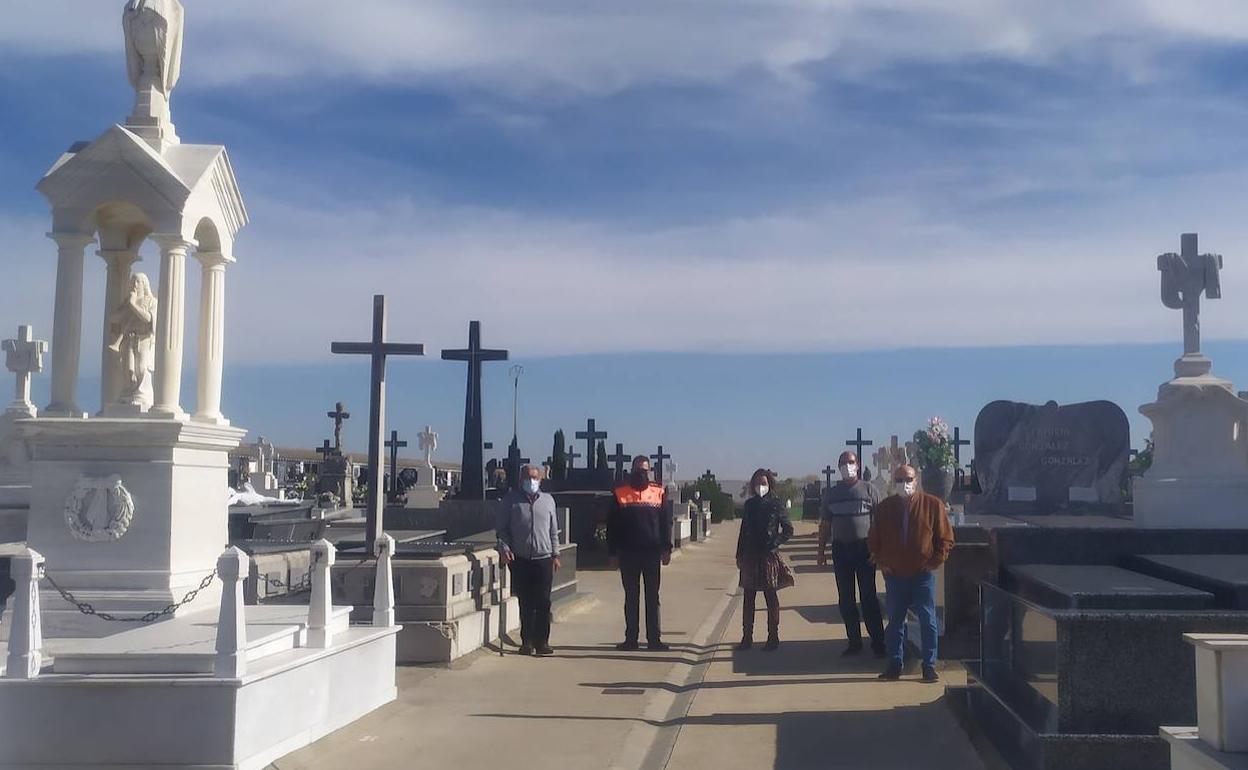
(153, 30)
(132, 327)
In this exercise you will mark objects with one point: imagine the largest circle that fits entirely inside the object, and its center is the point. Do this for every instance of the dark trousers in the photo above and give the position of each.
(634, 568)
(852, 564)
(748, 609)
(531, 580)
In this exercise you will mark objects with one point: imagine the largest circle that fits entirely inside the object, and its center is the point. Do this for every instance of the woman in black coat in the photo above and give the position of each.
(765, 526)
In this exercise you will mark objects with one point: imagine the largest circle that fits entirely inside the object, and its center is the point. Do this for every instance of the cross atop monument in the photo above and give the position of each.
(473, 484)
(1184, 277)
(326, 451)
(339, 416)
(23, 357)
(620, 460)
(659, 457)
(377, 349)
(591, 434)
(394, 445)
(858, 443)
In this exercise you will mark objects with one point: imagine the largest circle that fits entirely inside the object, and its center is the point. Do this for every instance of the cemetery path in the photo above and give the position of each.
(702, 705)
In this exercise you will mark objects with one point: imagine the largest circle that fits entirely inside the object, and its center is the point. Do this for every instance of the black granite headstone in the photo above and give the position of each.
(1100, 587)
(1051, 459)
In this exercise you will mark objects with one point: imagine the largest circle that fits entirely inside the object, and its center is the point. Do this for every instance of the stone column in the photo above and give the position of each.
(231, 658)
(321, 607)
(25, 657)
(170, 325)
(211, 337)
(67, 324)
(118, 263)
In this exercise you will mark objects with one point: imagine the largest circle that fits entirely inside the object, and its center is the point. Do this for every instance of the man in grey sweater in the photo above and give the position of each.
(845, 519)
(528, 538)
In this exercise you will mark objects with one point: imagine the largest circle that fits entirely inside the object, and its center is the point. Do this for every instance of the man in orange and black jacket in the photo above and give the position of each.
(639, 542)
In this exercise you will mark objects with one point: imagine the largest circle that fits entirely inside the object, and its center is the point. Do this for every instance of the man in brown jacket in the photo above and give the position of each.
(910, 538)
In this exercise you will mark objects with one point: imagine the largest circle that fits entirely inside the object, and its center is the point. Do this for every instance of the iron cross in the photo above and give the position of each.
(591, 434)
(394, 445)
(659, 457)
(620, 460)
(858, 444)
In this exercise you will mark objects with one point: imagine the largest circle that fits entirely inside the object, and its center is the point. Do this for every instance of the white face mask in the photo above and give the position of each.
(532, 486)
(849, 472)
(907, 489)
(762, 490)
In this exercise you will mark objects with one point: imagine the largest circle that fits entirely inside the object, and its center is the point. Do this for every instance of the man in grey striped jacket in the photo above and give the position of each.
(846, 520)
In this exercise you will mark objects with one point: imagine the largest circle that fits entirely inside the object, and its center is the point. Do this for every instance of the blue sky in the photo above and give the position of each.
(940, 202)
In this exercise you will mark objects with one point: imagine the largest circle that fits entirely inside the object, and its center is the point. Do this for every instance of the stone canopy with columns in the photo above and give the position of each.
(118, 192)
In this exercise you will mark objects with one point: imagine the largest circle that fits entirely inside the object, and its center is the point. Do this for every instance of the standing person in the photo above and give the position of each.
(528, 537)
(910, 538)
(845, 519)
(639, 543)
(765, 526)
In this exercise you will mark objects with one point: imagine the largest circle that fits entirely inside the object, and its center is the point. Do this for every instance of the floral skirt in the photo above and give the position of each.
(766, 572)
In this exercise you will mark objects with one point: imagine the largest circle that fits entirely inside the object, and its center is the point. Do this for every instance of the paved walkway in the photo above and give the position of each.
(703, 705)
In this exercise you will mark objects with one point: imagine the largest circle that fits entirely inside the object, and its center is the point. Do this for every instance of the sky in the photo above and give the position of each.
(738, 228)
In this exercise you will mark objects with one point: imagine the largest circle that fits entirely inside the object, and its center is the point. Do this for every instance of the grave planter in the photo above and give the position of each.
(939, 482)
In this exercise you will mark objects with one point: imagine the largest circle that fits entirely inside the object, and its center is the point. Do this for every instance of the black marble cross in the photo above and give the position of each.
(591, 434)
(394, 445)
(858, 444)
(659, 458)
(620, 460)
(473, 485)
(377, 349)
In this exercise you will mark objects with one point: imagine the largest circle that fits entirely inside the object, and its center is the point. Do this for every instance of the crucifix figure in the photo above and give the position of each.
(1184, 277)
(620, 460)
(858, 443)
(377, 350)
(339, 416)
(659, 458)
(394, 445)
(473, 484)
(591, 434)
(23, 357)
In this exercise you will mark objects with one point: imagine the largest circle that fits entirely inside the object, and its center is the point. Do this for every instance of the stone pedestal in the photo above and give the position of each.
(130, 514)
(422, 497)
(1199, 476)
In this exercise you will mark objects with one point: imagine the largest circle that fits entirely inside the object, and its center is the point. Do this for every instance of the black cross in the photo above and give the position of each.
(377, 349)
(859, 443)
(957, 444)
(827, 474)
(339, 416)
(394, 445)
(621, 460)
(571, 454)
(514, 463)
(473, 485)
(325, 450)
(658, 458)
(591, 434)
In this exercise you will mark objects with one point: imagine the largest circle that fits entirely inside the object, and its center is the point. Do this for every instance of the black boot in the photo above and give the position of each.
(773, 630)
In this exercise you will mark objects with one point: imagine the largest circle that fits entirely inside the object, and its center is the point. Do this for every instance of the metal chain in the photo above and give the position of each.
(305, 584)
(86, 609)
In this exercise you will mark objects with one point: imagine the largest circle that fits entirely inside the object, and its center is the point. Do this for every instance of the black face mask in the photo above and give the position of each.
(641, 478)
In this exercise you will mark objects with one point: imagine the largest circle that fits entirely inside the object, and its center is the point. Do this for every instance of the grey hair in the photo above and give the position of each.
(526, 469)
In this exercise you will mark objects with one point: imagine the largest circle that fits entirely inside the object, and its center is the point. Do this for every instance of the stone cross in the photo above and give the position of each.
(659, 458)
(394, 445)
(326, 451)
(23, 357)
(827, 474)
(428, 444)
(620, 460)
(897, 456)
(339, 416)
(858, 443)
(571, 454)
(591, 434)
(472, 486)
(377, 349)
(1184, 277)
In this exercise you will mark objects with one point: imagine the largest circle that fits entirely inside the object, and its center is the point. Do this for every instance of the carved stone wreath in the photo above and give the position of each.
(99, 510)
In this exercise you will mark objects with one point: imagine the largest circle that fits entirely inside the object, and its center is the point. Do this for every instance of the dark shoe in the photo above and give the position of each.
(526, 649)
(746, 643)
(852, 649)
(657, 647)
(545, 649)
(773, 644)
(891, 674)
(627, 646)
(930, 676)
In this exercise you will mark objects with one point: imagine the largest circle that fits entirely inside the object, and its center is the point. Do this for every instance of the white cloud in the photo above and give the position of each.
(533, 45)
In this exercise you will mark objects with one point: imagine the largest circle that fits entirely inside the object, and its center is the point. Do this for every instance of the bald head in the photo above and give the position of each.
(905, 473)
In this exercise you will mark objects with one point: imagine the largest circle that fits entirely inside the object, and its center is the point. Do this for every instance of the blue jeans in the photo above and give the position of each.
(916, 593)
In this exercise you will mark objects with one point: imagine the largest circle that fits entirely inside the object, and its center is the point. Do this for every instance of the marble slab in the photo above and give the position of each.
(1101, 587)
(1223, 575)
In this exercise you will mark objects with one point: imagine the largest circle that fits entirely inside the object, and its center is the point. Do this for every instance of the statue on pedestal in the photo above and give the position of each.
(133, 330)
(1184, 277)
(153, 30)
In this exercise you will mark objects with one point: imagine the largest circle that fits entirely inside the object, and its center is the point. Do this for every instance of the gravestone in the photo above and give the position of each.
(1051, 459)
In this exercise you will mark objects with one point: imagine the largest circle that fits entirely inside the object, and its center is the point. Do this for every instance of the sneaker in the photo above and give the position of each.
(657, 647)
(930, 676)
(627, 646)
(545, 649)
(526, 649)
(891, 674)
(852, 649)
